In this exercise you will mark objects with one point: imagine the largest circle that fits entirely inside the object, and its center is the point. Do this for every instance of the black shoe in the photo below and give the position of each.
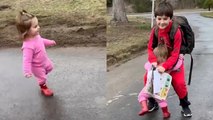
(186, 112)
(152, 105)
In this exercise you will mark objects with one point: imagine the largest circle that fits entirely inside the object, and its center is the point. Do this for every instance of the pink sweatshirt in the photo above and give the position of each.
(34, 53)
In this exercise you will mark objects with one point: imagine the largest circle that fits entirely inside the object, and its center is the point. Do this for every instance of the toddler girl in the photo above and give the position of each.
(35, 59)
(161, 53)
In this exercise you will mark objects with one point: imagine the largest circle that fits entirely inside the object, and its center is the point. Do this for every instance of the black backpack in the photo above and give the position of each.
(188, 39)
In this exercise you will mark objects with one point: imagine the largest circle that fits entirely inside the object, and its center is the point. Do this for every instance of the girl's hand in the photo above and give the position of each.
(54, 43)
(161, 69)
(28, 75)
(155, 64)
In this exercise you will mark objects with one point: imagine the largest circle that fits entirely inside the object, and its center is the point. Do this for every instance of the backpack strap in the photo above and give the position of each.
(190, 71)
(155, 37)
(173, 31)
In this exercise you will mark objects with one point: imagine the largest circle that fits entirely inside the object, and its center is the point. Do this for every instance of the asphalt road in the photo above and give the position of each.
(78, 81)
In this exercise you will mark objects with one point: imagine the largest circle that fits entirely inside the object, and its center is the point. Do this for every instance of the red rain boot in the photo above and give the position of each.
(46, 91)
(166, 113)
(144, 108)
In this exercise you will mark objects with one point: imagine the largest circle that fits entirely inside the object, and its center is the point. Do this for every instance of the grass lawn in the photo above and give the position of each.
(72, 12)
(207, 14)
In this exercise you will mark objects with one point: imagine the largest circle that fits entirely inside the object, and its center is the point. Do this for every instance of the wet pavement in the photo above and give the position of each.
(78, 80)
(126, 81)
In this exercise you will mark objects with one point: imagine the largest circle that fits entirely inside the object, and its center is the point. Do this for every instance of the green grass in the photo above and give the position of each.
(142, 23)
(207, 14)
(144, 26)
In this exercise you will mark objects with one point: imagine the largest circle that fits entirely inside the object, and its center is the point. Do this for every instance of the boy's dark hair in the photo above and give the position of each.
(164, 8)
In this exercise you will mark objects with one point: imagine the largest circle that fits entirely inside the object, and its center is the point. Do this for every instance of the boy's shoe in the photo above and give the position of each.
(186, 112)
(46, 91)
(152, 105)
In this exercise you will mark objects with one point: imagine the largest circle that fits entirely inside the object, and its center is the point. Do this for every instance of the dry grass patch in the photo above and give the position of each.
(207, 14)
(62, 20)
(126, 40)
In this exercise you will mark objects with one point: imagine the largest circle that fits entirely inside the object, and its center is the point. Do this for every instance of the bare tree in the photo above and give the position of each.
(119, 13)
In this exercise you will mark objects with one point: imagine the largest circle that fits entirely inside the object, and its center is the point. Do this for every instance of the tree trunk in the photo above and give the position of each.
(119, 13)
(209, 7)
(181, 4)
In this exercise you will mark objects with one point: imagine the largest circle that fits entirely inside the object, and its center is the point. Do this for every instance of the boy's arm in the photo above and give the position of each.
(27, 61)
(48, 42)
(170, 62)
(151, 57)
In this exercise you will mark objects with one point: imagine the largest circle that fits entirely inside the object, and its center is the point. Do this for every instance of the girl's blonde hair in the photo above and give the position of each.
(23, 23)
(161, 52)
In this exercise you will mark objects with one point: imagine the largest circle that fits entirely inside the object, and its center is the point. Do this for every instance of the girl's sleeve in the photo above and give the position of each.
(27, 60)
(151, 57)
(170, 62)
(48, 42)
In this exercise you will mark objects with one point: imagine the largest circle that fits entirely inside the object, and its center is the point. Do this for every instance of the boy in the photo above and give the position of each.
(163, 15)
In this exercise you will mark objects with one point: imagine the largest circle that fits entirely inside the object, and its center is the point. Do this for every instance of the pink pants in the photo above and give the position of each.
(41, 72)
(144, 96)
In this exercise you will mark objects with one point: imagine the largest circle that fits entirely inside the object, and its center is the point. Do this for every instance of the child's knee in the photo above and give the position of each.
(49, 68)
(142, 96)
(162, 103)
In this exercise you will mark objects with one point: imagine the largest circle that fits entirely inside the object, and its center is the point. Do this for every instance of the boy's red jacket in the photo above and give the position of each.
(174, 49)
